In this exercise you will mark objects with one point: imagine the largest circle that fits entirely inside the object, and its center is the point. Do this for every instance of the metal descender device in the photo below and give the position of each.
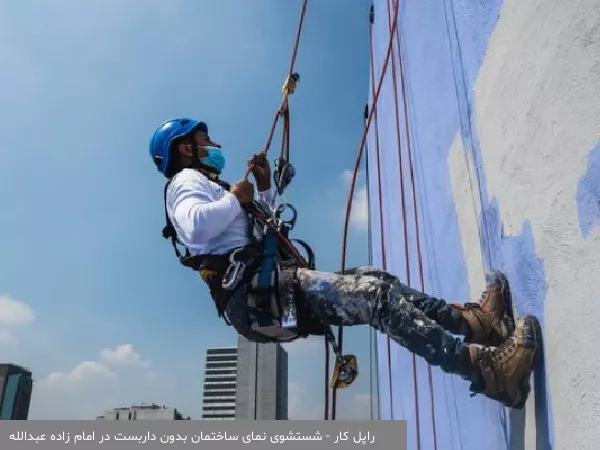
(283, 174)
(345, 370)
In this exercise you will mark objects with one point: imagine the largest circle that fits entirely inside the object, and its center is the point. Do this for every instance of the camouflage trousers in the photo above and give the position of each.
(368, 296)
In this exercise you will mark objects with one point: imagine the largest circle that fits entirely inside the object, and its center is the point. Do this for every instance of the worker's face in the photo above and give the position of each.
(201, 140)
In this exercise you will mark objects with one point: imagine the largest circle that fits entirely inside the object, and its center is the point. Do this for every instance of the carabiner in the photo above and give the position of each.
(234, 272)
(290, 223)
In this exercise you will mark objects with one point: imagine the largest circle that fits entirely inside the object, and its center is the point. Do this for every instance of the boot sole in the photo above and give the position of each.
(509, 315)
(525, 384)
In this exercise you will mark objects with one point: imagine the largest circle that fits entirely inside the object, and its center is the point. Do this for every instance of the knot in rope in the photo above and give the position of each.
(289, 86)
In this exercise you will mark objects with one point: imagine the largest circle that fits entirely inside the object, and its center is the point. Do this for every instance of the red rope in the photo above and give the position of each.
(404, 222)
(380, 195)
(283, 110)
(416, 220)
(373, 113)
(292, 64)
(362, 144)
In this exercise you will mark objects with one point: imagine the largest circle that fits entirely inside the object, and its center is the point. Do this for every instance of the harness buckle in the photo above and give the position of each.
(234, 272)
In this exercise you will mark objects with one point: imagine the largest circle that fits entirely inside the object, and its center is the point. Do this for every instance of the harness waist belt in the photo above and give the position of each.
(212, 268)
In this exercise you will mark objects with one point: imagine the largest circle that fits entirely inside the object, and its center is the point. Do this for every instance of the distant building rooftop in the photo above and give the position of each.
(143, 411)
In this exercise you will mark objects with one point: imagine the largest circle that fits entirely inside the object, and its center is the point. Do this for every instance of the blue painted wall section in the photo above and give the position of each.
(443, 46)
(516, 256)
(588, 194)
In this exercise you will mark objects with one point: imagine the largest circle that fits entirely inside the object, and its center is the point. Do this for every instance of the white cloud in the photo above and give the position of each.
(88, 371)
(359, 213)
(122, 355)
(8, 338)
(92, 387)
(14, 312)
(81, 393)
(360, 209)
(82, 373)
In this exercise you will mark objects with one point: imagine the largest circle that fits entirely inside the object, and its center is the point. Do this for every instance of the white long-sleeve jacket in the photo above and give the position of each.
(207, 218)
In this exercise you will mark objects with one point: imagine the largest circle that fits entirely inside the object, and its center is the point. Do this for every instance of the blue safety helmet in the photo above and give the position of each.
(160, 144)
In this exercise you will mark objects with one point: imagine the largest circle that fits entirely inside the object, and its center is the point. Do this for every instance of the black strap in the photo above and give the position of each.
(309, 252)
(169, 231)
(220, 297)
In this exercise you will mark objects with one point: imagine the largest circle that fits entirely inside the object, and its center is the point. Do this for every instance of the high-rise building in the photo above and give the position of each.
(245, 383)
(220, 376)
(15, 392)
(143, 412)
(262, 381)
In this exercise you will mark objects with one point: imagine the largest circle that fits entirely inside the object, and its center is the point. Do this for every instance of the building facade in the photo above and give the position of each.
(246, 383)
(15, 392)
(220, 375)
(143, 412)
(262, 381)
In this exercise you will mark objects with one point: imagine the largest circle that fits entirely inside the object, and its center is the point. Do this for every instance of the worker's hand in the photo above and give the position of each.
(259, 166)
(244, 191)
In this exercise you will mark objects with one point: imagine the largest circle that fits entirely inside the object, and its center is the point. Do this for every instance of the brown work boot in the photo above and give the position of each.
(503, 373)
(491, 320)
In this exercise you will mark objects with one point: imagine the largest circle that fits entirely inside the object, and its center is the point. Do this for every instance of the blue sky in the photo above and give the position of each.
(92, 298)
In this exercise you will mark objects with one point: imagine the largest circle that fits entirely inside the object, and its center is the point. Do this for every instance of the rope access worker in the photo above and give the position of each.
(210, 219)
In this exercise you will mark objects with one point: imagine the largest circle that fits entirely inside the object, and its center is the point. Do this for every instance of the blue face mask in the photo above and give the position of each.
(215, 158)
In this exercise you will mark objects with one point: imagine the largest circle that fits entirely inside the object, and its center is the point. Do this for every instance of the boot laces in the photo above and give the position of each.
(506, 348)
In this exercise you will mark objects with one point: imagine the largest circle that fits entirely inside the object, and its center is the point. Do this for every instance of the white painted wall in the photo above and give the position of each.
(538, 117)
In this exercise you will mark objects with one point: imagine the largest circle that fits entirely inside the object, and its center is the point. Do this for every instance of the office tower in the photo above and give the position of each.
(143, 412)
(15, 392)
(245, 383)
(220, 384)
(262, 381)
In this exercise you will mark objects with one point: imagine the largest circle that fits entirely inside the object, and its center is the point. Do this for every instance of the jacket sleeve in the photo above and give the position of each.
(197, 217)
(265, 197)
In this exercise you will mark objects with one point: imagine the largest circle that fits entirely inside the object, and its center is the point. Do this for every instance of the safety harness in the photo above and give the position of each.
(256, 268)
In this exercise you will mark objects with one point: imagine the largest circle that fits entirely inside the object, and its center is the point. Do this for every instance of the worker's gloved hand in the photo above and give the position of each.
(259, 166)
(244, 191)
